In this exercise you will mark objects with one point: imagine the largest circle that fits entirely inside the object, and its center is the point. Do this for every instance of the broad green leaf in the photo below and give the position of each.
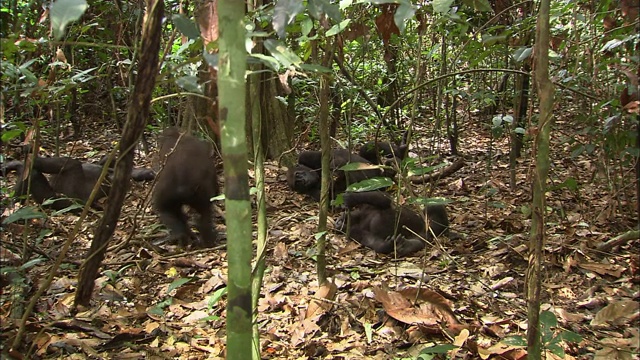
(425, 169)
(478, 5)
(306, 26)
(317, 8)
(432, 201)
(189, 83)
(282, 53)
(25, 213)
(438, 349)
(63, 12)
(492, 40)
(403, 13)
(522, 54)
(283, 13)
(442, 6)
(371, 184)
(514, 341)
(548, 319)
(556, 349)
(8, 135)
(186, 26)
(570, 336)
(336, 29)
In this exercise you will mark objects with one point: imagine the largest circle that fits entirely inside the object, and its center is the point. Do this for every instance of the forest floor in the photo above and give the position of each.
(168, 304)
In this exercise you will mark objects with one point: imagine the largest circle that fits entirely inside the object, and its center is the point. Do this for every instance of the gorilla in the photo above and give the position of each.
(381, 152)
(304, 177)
(69, 179)
(188, 177)
(376, 223)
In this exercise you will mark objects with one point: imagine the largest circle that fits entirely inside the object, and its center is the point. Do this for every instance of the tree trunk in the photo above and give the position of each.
(232, 65)
(136, 120)
(536, 243)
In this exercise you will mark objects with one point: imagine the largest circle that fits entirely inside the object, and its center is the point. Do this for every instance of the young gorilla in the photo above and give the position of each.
(69, 177)
(40, 188)
(377, 224)
(304, 178)
(382, 152)
(188, 177)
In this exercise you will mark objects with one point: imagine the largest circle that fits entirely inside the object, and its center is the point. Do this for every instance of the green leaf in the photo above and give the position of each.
(336, 29)
(282, 53)
(442, 6)
(548, 319)
(425, 169)
(31, 263)
(8, 135)
(25, 213)
(432, 201)
(514, 341)
(522, 54)
(283, 13)
(189, 83)
(371, 184)
(211, 59)
(404, 13)
(319, 7)
(570, 337)
(186, 26)
(177, 283)
(556, 349)
(438, 349)
(306, 26)
(368, 331)
(569, 183)
(478, 5)
(215, 298)
(63, 12)
(355, 166)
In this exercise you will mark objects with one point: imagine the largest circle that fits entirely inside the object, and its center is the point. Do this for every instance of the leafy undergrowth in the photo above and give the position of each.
(460, 299)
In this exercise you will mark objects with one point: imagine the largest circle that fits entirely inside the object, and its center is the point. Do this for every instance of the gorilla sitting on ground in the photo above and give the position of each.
(188, 177)
(376, 223)
(304, 177)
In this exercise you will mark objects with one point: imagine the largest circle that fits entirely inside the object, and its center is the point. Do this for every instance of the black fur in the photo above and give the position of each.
(381, 152)
(188, 177)
(377, 224)
(304, 177)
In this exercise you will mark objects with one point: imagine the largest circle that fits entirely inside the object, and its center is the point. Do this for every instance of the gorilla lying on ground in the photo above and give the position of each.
(188, 177)
(378, 224)
(304, 177)
(69, 178)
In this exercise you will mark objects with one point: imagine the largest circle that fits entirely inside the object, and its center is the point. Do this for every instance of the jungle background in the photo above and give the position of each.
(452, 78)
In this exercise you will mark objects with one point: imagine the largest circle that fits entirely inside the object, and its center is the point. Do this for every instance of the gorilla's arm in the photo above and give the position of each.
(137, 174)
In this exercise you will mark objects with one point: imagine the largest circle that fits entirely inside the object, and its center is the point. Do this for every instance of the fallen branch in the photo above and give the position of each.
(446, 171)
(619, 240)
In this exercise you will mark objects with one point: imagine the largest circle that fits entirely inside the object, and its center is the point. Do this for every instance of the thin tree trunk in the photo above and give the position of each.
(259, 157)
(545, 92)
(325, 144)
(232, 66)
(136, 119)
